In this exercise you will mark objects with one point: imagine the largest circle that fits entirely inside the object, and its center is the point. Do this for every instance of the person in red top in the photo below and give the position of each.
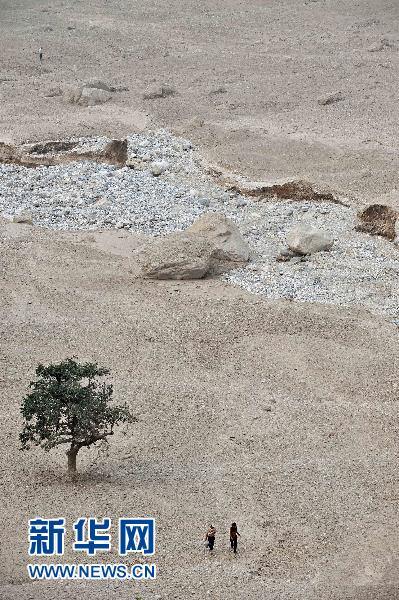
(234, 537)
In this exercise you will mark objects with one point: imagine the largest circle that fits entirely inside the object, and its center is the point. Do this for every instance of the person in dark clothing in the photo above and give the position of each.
(40, 54)
(234, 537)
(210, 537)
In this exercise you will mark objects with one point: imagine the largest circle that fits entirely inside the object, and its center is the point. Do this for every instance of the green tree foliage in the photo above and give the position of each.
(69, 403)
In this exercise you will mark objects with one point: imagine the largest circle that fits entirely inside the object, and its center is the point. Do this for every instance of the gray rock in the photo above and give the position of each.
(159, 167)
(99, 85)
(176, 256)
(304, 239)
(225, 237)
(213, 244)
(23, 217)
(87, 96)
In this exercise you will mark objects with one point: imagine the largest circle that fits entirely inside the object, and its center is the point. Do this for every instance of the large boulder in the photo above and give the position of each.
(175, 256)
(304, 239)
(213, 244)
(378, 219)
(224, 236)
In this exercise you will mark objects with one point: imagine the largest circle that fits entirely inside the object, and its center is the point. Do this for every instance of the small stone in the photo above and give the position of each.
(176, 256)
(53, 92)
(24, 217)
(157, 168)
(161, 92)
(87, 96)
(331, 99)
(93, 96)
(304, 239)
(229, 245)
(378, 219)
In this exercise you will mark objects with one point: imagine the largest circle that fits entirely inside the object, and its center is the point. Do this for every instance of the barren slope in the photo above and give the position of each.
(280, 416)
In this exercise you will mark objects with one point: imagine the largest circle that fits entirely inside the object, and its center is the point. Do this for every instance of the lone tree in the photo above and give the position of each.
(68, 405)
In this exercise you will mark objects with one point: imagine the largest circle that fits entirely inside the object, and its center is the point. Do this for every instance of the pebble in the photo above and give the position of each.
(157, 168)
(241, 202)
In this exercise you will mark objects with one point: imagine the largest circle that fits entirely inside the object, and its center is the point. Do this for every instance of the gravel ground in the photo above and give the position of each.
(360, 270)
(281, 416)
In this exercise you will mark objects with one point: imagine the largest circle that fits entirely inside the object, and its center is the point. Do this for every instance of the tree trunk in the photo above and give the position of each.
(72, 454)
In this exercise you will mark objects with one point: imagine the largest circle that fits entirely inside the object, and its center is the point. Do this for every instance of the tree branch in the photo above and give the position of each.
(92, 439)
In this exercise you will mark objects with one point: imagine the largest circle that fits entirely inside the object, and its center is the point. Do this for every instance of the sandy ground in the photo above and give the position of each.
(274, 60)
(280, 416)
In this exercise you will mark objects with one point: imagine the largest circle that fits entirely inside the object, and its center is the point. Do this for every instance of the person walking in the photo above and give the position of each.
(210, 537)
(41, 55)
(234, 537)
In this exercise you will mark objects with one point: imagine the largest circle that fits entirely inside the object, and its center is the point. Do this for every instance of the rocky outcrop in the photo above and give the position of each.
(378, 219)
(115, 152)
(291, 189)
(304, 239)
